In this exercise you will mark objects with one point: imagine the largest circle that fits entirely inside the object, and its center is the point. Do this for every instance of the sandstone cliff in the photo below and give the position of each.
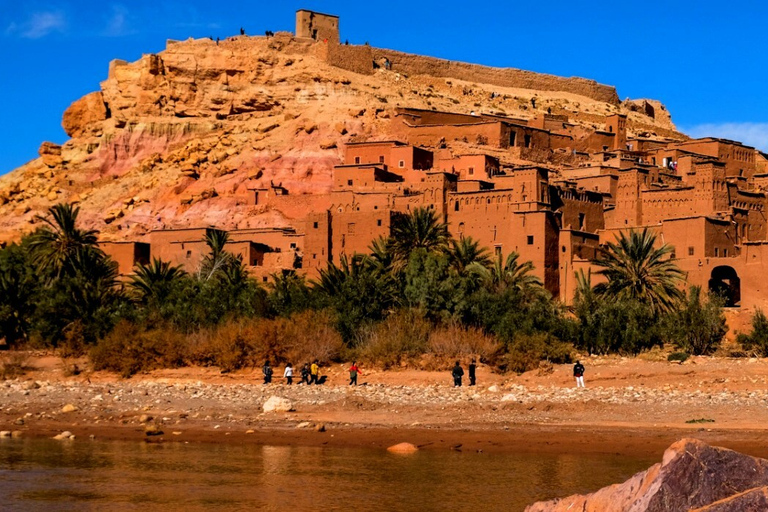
(176, 139)
(692, 476)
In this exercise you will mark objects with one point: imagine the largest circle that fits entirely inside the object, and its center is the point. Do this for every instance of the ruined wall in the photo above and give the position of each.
(360, 59)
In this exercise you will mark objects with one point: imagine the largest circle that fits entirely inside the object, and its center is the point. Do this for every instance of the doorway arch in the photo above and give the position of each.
(725, 282)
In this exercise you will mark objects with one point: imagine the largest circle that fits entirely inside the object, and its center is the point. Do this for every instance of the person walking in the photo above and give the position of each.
(314, 373)
(305, 374)
(267, 371)
(578, 373)
(472, 374)
(354, 371)
(457, 373)
(288, 374)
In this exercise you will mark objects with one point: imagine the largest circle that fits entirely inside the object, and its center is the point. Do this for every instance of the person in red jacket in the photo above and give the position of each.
(354, 371)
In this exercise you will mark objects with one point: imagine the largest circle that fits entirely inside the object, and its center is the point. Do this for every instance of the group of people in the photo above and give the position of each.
(310, 373)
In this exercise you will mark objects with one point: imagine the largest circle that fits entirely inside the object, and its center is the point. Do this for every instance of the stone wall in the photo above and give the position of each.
(360, 59)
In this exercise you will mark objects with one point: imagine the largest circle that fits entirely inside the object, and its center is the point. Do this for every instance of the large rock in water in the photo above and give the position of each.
(692, 476)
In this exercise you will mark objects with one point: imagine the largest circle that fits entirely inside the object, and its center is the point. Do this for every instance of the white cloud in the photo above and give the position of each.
(118, 23)
(751, 134)
(40, 24)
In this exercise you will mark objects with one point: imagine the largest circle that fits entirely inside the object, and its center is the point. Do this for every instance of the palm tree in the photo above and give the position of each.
(419, 230)
(466, 256)
(638, 271)
(56, 244)
(155, 280)
(95, 283)
(382, 252)
(510, 274)
(218, 260)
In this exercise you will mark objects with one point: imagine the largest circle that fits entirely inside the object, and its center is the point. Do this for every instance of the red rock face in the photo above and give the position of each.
(692, 476)
(86, 112)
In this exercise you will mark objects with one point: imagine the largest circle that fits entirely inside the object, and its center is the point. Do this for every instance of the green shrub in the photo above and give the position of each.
(757, 340)
(698, 326)
(678, 357)
(526, 352)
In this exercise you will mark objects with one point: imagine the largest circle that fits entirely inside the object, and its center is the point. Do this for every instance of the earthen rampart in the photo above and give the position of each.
(361, 59)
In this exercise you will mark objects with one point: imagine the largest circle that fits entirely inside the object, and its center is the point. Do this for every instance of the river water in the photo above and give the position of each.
(82, 475)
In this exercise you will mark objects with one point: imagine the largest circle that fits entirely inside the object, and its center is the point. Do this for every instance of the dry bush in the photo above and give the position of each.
(308, 336)
(129, 349)
(73, 344)
(13, 365)
(401, 338)
(236, 344)
(447, 344)
(247, 343)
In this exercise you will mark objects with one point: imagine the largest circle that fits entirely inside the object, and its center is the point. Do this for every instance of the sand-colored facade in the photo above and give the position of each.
(546, 187)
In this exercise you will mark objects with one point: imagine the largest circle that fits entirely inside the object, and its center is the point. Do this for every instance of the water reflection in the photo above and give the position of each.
(82, 475)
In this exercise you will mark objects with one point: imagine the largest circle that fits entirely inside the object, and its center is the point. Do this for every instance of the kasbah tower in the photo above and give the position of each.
(543, 178)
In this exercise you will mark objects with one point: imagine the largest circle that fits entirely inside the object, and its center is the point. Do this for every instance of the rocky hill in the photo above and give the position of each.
(177, 138)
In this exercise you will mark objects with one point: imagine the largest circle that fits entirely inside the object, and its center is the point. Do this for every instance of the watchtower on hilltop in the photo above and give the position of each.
(317, 26)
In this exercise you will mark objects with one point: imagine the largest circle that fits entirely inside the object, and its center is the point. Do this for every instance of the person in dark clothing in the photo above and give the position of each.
(267, 371)
(578, 374)
(458, 373)
(305, 374)
(354, 371)
(242, 31)
(472, 369)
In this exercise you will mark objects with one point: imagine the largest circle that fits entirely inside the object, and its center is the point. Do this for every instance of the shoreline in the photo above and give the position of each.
(586, 440)
(630, 407)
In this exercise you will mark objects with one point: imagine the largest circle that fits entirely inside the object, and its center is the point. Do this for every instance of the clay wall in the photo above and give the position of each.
(161, 241)
(617, 124)
(410, 64)
(577, 249)
(627, 209)
(317, 26)
(127, 254)
(394, 155)
(661, 204)
(469, 167)
(353, 232)
(580, 210)
(489, 133)
(317, 242)
(739, 160)
(366, 178)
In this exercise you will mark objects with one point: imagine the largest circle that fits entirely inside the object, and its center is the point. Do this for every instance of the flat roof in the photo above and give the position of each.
(315, 12)
(377, 142)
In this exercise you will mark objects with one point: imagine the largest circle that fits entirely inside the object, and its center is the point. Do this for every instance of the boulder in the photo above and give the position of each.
(403, 448)
(69, 408)
(5, 433)
(87, 110)
(691, 476)
(494, 389)
(64, 436)
(50, 153)
(277, 404)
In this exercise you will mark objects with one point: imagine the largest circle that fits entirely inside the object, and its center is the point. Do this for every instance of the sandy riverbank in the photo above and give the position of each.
(631, 406)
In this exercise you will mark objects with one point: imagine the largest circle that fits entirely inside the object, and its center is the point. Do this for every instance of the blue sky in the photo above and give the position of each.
(706, 60)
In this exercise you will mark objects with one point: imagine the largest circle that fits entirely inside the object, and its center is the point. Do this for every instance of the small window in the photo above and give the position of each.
(456, 206)
(530, 239)
(349, 182)
(189, 254)
(381, 159)
(351, 228)
(690, 251)
(527, 139)
(401, 164)
(498, 251)
(314, 256)
(378, 222)
(264, 279)
(725, 253)
(471, 171)
(717, 252)
(293, 245)
(582, 221)
(564, 249)
(315, 225)
(357, 159)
